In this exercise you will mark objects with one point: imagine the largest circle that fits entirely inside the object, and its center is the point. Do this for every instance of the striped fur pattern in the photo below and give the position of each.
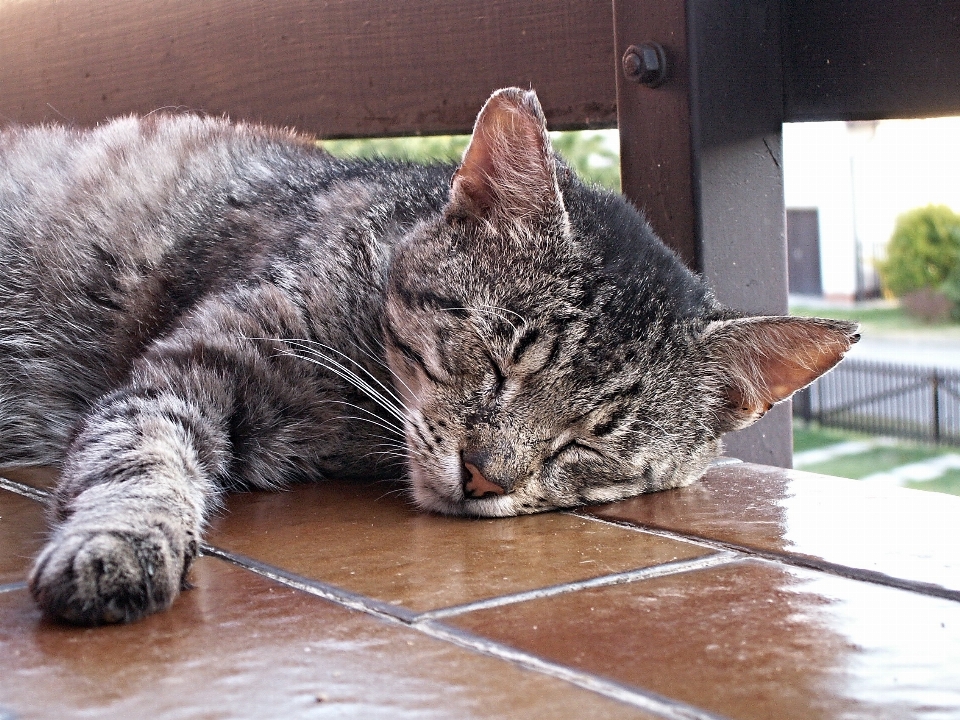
(189, 306)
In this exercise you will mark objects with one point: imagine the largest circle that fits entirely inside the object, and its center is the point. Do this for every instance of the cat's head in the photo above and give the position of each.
(551, 352)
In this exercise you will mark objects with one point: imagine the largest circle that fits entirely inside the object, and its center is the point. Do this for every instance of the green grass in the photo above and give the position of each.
(949, 482)
(881, 459)
(879, 321)
(812, 437)
(873, 461)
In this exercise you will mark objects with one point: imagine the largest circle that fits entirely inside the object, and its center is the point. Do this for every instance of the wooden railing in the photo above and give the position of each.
(700, 153)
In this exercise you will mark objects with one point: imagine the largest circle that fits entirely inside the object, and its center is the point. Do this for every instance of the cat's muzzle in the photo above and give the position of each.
(475, 481)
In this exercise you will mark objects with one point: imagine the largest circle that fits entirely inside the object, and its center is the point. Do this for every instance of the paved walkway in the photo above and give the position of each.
(917, 472)
(907, 350)
(832, 452)
(920, 471)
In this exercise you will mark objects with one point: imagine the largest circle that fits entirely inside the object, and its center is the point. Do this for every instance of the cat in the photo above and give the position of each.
(190, 306)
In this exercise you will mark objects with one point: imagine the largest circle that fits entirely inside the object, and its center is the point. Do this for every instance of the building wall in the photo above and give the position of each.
(861, 176)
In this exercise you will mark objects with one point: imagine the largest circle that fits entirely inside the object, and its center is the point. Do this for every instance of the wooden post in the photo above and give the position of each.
(701, 154)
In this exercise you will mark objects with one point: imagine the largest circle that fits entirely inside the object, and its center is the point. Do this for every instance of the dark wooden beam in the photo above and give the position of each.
(736, 126)
(334, 68)
(701, 153)
(655, 154)
(871, 59)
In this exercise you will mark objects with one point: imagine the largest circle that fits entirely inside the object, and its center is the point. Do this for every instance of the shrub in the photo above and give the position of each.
(586, 151)
(923, 250)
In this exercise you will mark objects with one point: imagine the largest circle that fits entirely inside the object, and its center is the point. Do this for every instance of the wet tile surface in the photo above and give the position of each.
(22, 531)
(239, 645)
(749, 638)
(901, 533)
(753, 640)
(370, 541)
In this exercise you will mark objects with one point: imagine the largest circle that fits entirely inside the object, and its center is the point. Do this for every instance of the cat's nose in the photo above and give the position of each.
(475, 482)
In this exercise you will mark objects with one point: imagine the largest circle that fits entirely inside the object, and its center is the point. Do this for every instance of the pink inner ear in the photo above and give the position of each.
(508, 167)
(783, 375)
(766, 360)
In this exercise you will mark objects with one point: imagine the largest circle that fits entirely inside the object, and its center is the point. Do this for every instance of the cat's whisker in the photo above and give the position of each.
(353, 417)
(392, 442)
(398, 491)
(378, 359)
(497, 308)
(313, 355)
(396, 429)
(491, 310)
(352, 378)
(380, 460)
(389, 391)
(394, 404)
(395, 449)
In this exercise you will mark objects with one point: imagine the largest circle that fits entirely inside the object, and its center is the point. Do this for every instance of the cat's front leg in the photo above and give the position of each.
(136, 489)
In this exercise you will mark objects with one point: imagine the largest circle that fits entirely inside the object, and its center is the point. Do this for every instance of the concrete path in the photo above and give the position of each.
(906, 350)
(920, 471)
(916, 472)
(831, 452)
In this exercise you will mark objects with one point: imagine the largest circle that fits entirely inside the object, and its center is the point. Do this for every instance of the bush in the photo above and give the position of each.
(923, 250)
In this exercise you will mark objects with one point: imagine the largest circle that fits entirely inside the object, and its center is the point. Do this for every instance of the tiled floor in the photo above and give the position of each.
(756, 593)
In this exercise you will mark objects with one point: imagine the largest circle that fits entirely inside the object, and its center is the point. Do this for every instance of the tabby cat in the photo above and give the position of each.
(189, 306)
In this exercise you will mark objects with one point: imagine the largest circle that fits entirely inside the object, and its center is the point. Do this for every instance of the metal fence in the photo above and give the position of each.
(885, 399)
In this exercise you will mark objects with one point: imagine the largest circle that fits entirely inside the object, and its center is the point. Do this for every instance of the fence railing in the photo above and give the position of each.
(881, 398)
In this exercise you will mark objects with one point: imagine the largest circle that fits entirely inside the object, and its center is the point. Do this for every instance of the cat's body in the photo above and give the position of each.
(188, 306)
(198, 233)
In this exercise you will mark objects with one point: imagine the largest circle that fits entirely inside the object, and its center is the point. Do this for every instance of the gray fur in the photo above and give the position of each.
(190, 306)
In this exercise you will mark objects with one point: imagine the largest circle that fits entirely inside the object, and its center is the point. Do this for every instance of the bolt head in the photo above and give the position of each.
(645, 64)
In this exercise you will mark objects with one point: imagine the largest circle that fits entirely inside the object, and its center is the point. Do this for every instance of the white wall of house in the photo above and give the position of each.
(861, 176)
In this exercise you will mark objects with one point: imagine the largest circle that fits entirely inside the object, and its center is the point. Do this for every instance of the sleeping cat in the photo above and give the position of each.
(189, 306)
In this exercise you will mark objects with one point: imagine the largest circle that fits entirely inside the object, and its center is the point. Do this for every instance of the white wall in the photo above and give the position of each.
(885, 170)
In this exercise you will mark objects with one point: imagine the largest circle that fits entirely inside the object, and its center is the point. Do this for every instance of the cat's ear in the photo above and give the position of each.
(760, 361)
(508, 171)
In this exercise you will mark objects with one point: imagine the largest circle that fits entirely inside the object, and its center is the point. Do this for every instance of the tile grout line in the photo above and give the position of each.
(649, 701)
(318, 588)
(24, 490)
(674, 567)
(427, 624)
(10, 587)
(861, 574)
(355, 600)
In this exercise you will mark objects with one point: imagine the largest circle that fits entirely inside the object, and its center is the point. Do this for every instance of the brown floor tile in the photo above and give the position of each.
(240, 646)
(22, 530)
(43, 478)
(370, 541)
(901, 533)
(753, 640)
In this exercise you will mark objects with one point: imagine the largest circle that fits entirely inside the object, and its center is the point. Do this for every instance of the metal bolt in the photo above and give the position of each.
(645, 64)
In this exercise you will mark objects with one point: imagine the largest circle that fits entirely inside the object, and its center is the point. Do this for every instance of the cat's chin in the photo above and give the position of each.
(430, 499)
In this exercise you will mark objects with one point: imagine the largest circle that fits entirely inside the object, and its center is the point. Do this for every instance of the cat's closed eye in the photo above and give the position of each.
(573, 450)
(496, 379)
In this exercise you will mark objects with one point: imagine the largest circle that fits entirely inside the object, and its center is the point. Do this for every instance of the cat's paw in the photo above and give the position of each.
(95, 576)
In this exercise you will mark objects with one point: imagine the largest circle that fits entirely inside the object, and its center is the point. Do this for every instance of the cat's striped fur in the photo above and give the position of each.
(188, 305)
